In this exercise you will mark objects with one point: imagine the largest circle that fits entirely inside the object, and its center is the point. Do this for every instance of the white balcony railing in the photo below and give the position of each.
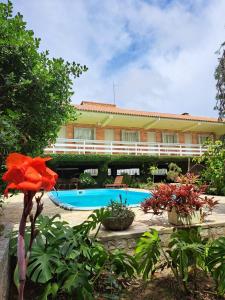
(120, 147)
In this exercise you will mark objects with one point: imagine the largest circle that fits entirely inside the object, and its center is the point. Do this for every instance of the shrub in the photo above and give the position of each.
(87, 180)
(119, 209)
(188, 178)
(119, 216)
(173, 172)
(184, 198)
(214, 171)
(215, 263)
(68, 261)
(187, 254)
(131, 181)
(108, 180)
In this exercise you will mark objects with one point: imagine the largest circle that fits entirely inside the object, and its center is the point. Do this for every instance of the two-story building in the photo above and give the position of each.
(108, 129)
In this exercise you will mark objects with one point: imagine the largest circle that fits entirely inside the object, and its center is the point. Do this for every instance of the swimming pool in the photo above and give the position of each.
(95, 198)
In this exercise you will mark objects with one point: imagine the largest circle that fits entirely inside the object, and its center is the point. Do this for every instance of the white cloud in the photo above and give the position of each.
(174, 72)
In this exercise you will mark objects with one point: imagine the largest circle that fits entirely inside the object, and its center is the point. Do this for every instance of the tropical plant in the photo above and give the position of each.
(188, 178)
(186, 252)
(119, 209)
(147, 253)
(130, 181)
(87, 180)
(153, 171)
(28, 175)
(119, 215)
(173, 172)
(68, 260)
(214, 172)
(185, 199)
(215, 263)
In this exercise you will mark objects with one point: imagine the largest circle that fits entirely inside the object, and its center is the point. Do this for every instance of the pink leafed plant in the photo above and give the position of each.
(185, 198)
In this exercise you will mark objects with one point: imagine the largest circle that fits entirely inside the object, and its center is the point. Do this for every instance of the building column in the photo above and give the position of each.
(70, 131)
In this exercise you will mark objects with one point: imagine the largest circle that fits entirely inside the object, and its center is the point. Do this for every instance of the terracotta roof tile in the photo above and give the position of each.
(113, 109)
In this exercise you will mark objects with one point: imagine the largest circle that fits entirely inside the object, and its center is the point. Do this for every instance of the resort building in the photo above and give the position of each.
(108, 129)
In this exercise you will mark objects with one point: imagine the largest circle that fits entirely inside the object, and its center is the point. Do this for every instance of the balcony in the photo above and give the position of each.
(121, 147)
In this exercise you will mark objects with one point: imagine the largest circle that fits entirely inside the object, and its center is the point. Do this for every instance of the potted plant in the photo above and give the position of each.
(184, 203)
(119, 216)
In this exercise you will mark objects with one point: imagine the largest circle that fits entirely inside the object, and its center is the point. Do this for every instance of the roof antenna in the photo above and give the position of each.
(114, 93)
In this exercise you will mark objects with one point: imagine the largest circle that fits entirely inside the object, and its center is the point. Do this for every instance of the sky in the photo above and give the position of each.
(160, 55)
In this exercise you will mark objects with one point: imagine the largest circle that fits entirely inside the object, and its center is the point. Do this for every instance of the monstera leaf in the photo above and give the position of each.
(42, 263)
(147, 253)
(216, 263)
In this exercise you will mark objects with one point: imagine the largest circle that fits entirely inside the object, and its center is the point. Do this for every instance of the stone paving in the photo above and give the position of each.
(13, 210)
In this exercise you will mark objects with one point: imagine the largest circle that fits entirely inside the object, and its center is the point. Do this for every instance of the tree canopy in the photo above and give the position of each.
(220, 82)
(35, 90)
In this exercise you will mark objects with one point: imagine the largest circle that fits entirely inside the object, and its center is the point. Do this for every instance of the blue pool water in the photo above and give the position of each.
(95, 198)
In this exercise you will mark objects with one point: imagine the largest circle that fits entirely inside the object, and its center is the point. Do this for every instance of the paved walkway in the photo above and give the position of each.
(13, 210)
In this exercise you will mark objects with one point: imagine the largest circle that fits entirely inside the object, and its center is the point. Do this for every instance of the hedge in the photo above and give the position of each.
(87, 161)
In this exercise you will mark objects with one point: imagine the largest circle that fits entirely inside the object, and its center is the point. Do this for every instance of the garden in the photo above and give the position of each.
(51, 259)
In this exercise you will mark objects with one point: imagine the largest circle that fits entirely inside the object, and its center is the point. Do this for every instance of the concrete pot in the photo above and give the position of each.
(117, 223)
(179, 219)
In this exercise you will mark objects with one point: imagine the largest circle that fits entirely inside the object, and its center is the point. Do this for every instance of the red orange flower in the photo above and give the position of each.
(28, 174)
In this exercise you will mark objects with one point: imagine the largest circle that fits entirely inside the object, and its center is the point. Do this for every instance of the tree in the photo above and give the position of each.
(214, 172)
(220, 85)
(35, 90)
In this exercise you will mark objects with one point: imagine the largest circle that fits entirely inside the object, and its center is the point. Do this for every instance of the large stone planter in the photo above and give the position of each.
(4, 263)
(178, 219)
(118, 223)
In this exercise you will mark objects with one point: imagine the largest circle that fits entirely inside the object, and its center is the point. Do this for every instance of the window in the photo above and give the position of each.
(92, 172)
(133, 171)
(151, 137)
(62, 132)
(84, 133)
(202, 138)
(130, 136)
(169, 138)
(109, 135)
(187, 138)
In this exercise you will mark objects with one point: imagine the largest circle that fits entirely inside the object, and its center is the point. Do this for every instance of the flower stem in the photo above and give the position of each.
(21, 252)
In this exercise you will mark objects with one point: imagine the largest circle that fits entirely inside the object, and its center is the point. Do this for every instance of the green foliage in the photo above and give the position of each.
(33, 87)
(153, 171)
(108, 180)
(131, 181)
(68, 260)
(119, 209)
(220, 82)
(174, 172)
(102, 173)
(216, 265)
(87, 180)
(120, 161)
(214, 171)
(186, 252)
(147, 253)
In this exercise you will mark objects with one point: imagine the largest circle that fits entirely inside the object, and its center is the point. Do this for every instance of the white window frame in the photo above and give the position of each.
(112, 132)
(153, 136)
(85, 128)
(124, 132)
(166, 134)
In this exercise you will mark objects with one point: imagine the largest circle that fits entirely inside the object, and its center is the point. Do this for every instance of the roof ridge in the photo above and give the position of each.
(97, 103)
(112, 108)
